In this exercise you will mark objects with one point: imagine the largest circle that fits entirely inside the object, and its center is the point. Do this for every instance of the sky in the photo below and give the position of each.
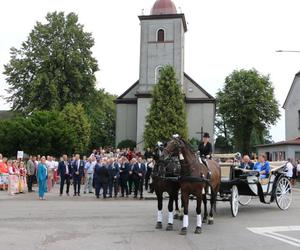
(222, 36)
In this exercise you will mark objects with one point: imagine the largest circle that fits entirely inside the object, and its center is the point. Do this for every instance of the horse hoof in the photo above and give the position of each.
(158, 225)
(198, 230)
(169, 227)
(176, 216)
(183, 231)
(210, 222)
(180, 217)
(204, 220)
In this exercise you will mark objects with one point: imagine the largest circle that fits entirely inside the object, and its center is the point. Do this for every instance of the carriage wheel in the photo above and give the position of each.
(283, 193)
(244, 200)
(234, 201)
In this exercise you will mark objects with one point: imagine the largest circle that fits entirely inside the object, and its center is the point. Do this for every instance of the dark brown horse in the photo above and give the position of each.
(164, 180)
(193, 180)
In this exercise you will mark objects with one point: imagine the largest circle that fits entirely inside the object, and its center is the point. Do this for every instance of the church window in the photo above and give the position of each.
(157, 73)
(160, 35)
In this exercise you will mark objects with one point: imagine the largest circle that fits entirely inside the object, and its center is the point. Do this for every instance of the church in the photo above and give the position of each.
(162, 43)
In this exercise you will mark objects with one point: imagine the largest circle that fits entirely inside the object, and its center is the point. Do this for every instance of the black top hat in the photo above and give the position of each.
(206, 135)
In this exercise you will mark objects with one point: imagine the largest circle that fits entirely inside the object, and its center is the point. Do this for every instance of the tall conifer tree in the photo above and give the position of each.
(167, 114)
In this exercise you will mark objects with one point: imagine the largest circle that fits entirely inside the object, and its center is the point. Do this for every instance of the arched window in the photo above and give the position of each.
(160, 35)
(157, 73)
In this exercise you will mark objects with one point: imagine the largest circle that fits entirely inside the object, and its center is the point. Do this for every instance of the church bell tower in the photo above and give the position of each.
(162, 43)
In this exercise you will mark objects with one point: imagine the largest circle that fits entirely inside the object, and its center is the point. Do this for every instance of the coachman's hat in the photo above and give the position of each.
(206, 135)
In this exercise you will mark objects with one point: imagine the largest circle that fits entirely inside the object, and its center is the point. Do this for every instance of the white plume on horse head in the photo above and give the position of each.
(176, 136)
(159, 144)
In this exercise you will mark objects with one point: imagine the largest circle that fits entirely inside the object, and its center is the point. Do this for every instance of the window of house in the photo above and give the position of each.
(160, 35)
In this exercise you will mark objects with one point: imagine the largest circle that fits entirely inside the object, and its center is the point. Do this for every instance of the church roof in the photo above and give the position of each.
(291, 89)
(163, 7)
(130, 95)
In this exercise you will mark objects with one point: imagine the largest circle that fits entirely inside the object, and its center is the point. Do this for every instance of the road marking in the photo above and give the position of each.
(274, 232)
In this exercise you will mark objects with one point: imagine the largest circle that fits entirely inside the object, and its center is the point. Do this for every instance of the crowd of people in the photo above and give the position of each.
(106, 172)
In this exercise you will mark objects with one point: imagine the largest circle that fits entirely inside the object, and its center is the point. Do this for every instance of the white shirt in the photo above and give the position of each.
(289, 166)
(50, 164)
(298, 167)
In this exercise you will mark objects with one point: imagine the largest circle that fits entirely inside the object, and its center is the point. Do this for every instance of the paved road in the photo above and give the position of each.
(87, 223)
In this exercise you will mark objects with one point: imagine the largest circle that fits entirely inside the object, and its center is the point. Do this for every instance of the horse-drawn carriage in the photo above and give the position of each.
(239, 186)
(223, 182)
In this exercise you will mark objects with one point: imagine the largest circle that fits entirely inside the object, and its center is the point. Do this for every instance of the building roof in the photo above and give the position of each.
(291, 89)
(122, 98)
(295, 141)
(163, 7)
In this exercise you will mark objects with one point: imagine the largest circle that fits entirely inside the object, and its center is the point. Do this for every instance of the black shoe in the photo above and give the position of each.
(123, 195)
(74, 194)
(97, 197)
(91, 192)
(78, 194)
(110, 196)
(141, 197)
(135, 197)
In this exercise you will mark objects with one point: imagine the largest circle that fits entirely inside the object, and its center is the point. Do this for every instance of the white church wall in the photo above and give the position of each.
(200, 115)
(126, 122)
(191, 91)
(292, 109)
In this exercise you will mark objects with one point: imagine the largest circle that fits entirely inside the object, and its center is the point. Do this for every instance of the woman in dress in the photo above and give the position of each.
(3, 174)
(42, 178)
(22, 177)
(13, 180)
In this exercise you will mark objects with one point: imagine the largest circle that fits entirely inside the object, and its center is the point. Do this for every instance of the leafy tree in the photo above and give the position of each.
(53, 67)
(127, 144)
(247, 103)
(77, 119)
(167, 114)
(101, 110)
(43, 132)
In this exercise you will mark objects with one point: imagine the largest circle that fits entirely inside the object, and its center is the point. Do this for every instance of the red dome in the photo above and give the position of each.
(162, 7)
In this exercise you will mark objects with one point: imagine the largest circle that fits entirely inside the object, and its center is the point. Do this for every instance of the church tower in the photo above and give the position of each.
(162, 43)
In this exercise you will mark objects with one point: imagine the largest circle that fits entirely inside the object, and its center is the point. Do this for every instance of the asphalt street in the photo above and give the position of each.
(86, 223)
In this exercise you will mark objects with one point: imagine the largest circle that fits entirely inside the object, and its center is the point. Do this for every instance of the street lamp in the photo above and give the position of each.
(288, 51)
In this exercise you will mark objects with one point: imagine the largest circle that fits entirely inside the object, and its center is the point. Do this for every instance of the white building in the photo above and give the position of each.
(291, 147)
(162, 43)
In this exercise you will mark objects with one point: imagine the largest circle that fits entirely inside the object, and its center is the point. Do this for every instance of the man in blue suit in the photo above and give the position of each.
(113, 170)
(64, 171)
(124, 173)
(139, 172)
(77, 174)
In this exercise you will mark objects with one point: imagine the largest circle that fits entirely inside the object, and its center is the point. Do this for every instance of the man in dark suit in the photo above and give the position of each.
(101, 177)
(113, 170)
(64, 171)
(124, 172)
(138, 173)
(246, 163)
(77, 174)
